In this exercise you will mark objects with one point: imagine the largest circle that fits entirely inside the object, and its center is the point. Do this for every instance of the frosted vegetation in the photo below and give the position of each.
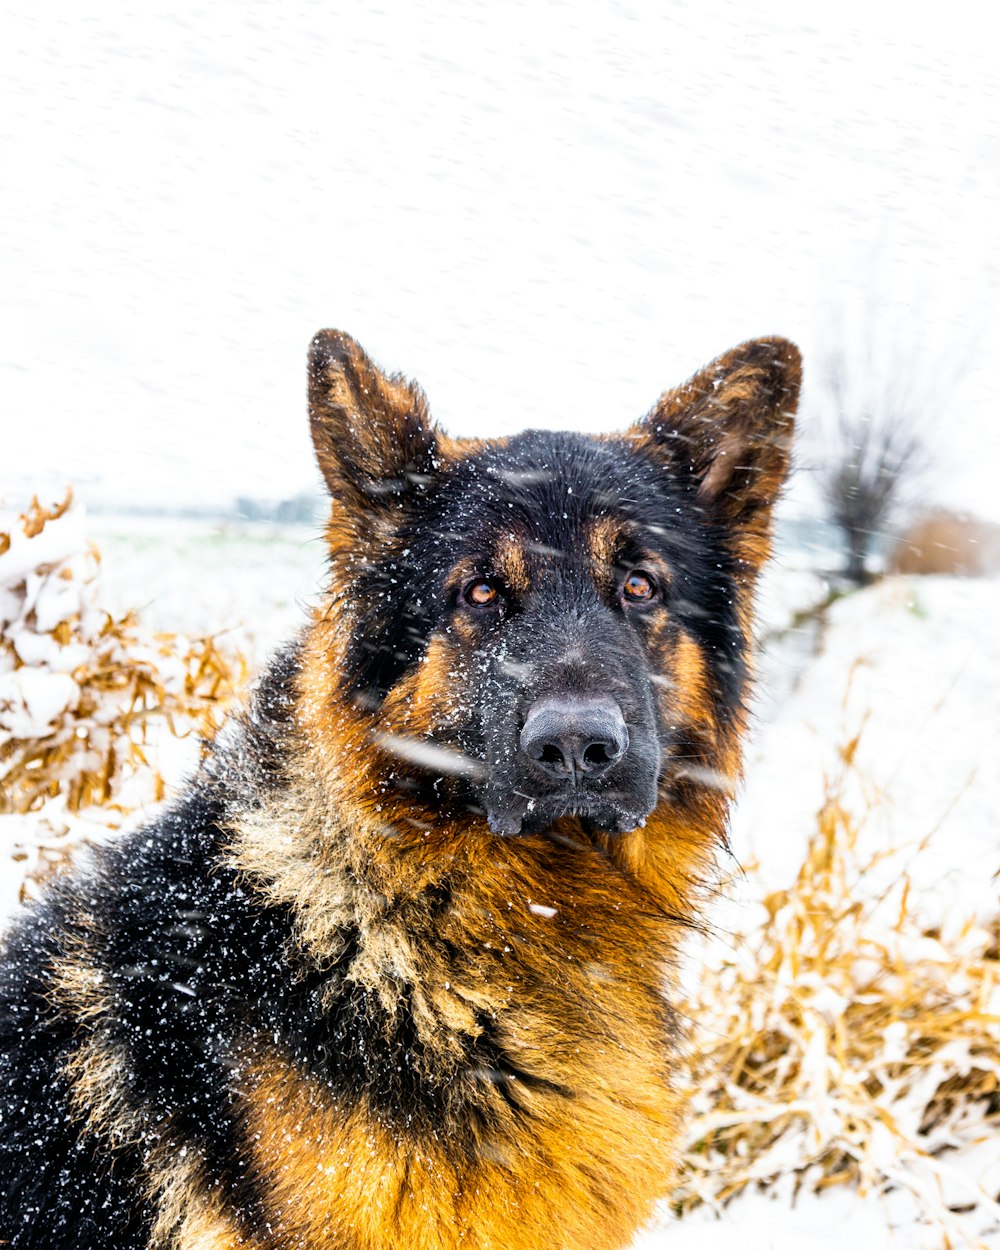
(844, 1002)
(96, 709)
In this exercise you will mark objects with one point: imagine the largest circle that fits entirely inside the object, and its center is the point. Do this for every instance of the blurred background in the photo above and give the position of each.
(548, 213)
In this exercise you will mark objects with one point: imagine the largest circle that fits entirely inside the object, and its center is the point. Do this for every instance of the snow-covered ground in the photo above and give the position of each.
(250, 581)
(909, 667)
(912, 665)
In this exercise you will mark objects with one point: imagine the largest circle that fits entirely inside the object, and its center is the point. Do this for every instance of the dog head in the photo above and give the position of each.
(550, 625)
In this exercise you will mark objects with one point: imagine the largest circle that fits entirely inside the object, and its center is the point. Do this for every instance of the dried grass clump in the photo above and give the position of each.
(845, 1044)
(83, 692)
(948, 542)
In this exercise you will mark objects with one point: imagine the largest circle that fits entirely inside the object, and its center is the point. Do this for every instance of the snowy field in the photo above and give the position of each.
(902, 681)
(251, 582)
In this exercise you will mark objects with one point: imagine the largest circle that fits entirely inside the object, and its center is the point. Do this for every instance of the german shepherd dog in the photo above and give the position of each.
(395, 971)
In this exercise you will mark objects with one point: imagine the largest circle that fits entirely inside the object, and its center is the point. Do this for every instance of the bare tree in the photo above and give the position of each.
(883, 379)
(890, 368)
(874, 451)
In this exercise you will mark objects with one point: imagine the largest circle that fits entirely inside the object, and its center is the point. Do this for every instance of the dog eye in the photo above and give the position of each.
(639, 587)
(481, 593)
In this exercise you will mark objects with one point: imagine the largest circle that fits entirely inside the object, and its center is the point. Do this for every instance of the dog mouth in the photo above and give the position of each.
(521, 814)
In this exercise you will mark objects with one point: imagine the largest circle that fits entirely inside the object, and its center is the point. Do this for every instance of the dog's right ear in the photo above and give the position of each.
(373, 435)
(730, 427)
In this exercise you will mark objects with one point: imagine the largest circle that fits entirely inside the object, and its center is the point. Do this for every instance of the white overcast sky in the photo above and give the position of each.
(546, 212)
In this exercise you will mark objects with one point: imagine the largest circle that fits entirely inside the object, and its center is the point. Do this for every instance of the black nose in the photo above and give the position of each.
(568, 737)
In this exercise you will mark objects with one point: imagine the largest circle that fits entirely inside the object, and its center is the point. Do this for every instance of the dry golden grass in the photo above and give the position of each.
(130, 684)
(85, 759)
(845, 1044)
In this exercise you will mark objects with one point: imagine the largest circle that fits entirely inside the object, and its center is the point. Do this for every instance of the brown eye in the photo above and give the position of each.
(480, 594)
(639, 588)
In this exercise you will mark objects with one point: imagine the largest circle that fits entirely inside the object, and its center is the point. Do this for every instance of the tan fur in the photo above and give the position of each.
(96, 1071)
(562, 986)
(188, 1218)
(512, 565)
(79, 987)
(340, 1177)
(604, 539)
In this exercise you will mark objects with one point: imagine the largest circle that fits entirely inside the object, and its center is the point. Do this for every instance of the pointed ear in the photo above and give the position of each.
(373, 435)
(731, 427)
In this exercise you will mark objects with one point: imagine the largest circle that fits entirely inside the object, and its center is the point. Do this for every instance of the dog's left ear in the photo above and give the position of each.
(730, 427)
(373, 435)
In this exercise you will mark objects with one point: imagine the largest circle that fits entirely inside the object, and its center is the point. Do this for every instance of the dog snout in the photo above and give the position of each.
(569, 738)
